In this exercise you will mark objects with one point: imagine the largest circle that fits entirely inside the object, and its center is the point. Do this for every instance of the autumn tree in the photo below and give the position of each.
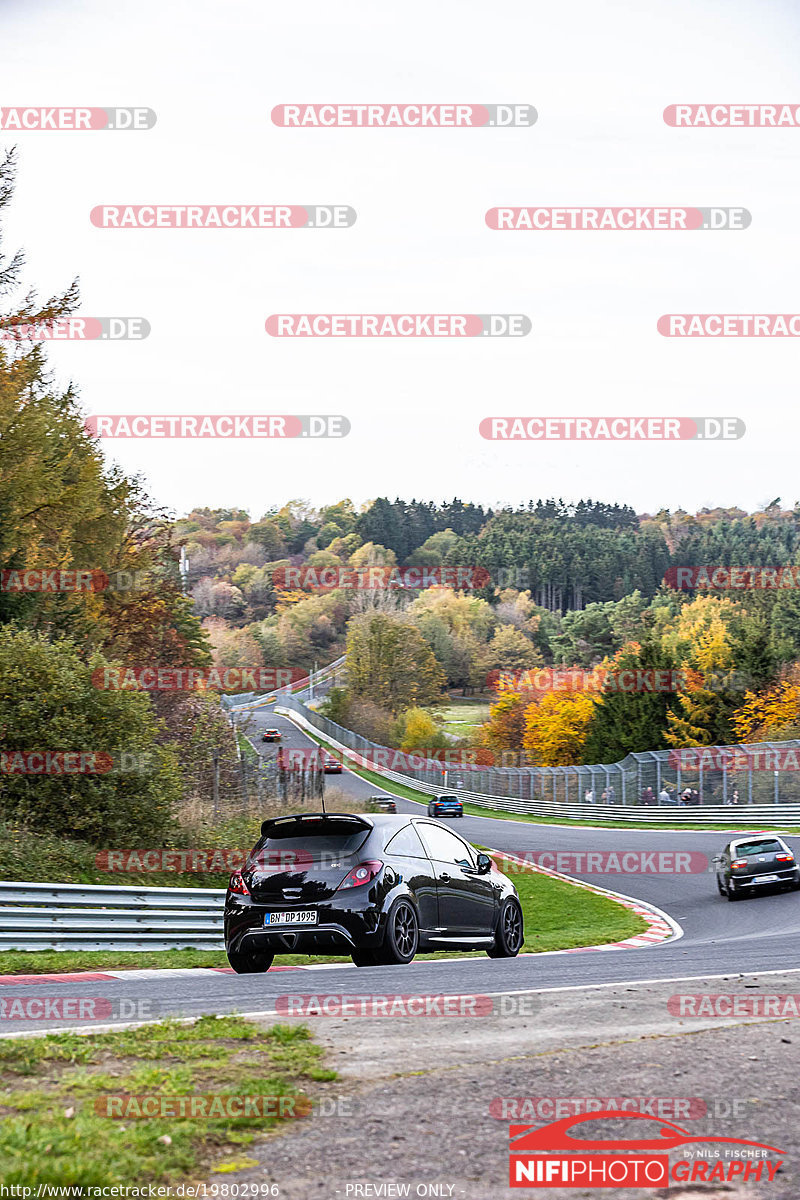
(389, 662)
(764, 716)
(505, 729)
(556, 727)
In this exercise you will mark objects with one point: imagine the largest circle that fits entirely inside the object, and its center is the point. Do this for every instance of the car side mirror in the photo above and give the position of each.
(484, 864)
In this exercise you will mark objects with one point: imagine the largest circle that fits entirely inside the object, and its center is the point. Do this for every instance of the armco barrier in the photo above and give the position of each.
(252, 700)
(72, 916)
(749, 815)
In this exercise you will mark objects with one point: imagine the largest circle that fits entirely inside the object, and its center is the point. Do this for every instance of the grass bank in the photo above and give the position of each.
(52, 1093)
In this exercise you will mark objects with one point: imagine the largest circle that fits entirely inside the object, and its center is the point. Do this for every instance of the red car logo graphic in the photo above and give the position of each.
(526, 1138)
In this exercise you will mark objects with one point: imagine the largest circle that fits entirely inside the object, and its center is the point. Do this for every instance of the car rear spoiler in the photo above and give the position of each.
(330, 818)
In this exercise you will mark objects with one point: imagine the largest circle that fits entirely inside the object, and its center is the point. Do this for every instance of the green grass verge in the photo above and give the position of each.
(52, 1134)
(557, 916)
(462, 717)
(246, 747)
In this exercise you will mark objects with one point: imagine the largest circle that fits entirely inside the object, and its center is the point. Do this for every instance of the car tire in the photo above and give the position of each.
(720, 888)
(364, 958)
(510, 934)
(401, 940)
(459, 814)
(250, 964)
(732, 892)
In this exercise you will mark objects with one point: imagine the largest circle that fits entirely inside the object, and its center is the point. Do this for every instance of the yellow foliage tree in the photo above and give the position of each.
(768, 712)
(556, 727)
(420, 731)
(699, 635)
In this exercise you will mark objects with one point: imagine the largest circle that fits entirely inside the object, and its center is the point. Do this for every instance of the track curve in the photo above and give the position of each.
(757, 935)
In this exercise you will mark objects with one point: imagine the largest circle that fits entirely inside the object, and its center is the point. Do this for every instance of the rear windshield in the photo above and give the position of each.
(319, 841)
(766, 846)
(449, 799)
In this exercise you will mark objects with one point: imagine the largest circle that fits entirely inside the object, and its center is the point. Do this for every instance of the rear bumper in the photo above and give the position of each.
(748, 883)
(339, 930)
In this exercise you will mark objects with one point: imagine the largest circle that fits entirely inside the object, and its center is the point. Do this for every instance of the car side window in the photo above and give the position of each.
(406, 843)
(444, 846)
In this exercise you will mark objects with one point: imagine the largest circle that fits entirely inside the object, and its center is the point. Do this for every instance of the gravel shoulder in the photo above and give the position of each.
(412, 1104)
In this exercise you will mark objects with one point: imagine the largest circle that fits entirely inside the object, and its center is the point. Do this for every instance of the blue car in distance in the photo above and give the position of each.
(445, 806)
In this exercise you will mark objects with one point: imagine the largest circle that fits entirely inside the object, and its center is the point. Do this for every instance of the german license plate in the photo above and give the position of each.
(306, 916)
(766, 878)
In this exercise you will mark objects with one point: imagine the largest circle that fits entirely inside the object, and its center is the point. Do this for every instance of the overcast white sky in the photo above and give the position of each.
(599, 72)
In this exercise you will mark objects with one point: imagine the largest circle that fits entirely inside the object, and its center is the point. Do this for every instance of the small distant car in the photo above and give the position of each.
(749, 864)
(383, 804)
(271, 735)
(330, 764)
(445, 806)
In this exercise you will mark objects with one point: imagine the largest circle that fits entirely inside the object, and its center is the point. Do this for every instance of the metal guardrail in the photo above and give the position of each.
(749, 815)
(74, 916)
(252, 700)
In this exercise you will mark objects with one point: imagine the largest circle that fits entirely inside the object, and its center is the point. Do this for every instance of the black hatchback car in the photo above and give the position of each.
(749, 864)
(376, 886)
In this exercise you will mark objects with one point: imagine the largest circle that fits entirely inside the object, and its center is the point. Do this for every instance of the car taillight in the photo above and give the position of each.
(739, 862)
(237, 884)
(784, 857)
(365, 872)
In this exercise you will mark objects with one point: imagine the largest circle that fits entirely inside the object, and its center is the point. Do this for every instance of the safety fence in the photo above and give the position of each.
(748, 784)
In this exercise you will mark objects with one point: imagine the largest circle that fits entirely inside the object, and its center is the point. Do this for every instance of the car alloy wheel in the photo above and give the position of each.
(509, 936)
(250, 964)
(402, 935)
